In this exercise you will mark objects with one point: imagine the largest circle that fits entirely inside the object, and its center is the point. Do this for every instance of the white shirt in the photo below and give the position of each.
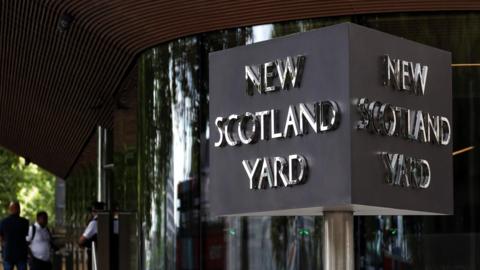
(40, 244)
(91, 229)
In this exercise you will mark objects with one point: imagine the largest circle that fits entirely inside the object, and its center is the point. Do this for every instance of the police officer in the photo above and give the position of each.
(89, 235)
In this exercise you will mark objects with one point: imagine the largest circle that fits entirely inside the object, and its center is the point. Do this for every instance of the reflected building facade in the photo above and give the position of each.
(161, 170)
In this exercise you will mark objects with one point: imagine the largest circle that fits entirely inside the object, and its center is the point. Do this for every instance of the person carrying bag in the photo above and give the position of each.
(40, 243)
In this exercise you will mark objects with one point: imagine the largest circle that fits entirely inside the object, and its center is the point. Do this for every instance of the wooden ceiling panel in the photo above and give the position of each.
(56, 87)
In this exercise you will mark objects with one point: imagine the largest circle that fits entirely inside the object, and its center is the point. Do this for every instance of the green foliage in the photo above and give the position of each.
(9, 177)
(33, 187)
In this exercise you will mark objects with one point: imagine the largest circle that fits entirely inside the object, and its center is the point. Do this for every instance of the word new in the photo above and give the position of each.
(405, 76)
(276, 171)
(274, 75)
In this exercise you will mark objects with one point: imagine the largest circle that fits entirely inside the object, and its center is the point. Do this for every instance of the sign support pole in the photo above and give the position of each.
(338, 240)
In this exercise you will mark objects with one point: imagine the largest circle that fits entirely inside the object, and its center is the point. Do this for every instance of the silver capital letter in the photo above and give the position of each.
(251, 172)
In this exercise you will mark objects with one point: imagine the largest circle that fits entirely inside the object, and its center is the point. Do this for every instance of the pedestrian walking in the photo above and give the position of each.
(13, 233)
(40, 240)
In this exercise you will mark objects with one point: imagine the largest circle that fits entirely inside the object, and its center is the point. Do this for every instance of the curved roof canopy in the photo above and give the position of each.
(61, 62)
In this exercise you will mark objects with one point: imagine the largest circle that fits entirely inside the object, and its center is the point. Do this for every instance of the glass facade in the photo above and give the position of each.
(167, 186)
(80, 192)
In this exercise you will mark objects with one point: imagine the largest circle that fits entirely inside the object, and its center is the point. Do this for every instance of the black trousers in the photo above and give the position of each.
(36, 264)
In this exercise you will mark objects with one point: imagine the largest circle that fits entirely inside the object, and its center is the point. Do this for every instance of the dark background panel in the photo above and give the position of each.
(325, 77)
(368, 186)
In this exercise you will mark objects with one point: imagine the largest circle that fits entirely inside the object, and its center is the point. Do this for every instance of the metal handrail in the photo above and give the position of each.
(94, 257)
